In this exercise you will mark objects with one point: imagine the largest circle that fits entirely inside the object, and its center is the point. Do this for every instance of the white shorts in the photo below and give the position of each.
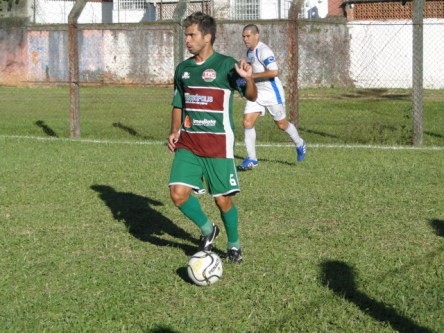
(277, 111)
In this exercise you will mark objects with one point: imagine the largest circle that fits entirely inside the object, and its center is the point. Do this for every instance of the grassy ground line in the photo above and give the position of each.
(276, 145)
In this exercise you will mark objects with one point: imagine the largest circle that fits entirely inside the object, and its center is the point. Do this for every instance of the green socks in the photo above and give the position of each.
(230, 220)
(192, 209)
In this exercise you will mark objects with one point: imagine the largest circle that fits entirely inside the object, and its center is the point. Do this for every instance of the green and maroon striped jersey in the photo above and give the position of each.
(204, 92)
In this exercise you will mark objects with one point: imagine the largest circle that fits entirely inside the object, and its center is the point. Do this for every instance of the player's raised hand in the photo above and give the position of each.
(244, 69)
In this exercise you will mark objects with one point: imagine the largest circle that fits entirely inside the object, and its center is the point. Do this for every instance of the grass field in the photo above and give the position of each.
(350, 240)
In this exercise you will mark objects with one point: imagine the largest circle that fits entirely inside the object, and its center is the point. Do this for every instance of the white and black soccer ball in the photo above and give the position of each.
(205, 268)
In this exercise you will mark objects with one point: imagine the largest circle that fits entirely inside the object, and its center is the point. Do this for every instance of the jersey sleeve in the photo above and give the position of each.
(178, 90)
(268, 59)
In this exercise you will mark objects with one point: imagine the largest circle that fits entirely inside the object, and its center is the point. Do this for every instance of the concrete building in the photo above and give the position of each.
(133, 11)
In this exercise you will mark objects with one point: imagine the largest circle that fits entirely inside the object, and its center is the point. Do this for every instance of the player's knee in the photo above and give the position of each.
(282, 124)
(223, 203)
(178, 196)
(247, 123)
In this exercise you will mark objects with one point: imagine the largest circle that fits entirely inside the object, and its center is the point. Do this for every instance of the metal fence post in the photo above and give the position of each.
(74, 67)
(178, 15)
(293, 62)
(417, 75)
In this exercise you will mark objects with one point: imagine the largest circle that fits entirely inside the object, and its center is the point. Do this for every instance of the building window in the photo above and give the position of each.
(165, 8)
(245, 9)
(131, 4)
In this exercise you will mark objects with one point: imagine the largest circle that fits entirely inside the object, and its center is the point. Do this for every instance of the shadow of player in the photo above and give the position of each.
(340, 278)
(438, 226)
(142, 220)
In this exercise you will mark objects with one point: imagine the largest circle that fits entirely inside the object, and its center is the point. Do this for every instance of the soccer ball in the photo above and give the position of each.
(204, 268)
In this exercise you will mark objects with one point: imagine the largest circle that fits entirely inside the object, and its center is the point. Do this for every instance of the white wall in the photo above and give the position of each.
(381, 54)
(221, 9)
(269, 9)
(134, 15)
(56, 12)
(380, 51)
(312, 9)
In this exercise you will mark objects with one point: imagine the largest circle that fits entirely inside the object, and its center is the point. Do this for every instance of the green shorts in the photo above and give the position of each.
(220, 174)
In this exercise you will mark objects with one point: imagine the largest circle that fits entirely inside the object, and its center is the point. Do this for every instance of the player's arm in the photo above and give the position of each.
(251, 90)
(176, 123)
(246, 71)
(176, 112)
(267, 74)
(267, 59)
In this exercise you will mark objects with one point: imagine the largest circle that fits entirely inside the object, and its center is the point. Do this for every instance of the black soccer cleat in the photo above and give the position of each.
(206, 242)
(234, 256)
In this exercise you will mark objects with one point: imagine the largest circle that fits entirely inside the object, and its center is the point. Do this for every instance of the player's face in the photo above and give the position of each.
(194, 40)
(250, 39)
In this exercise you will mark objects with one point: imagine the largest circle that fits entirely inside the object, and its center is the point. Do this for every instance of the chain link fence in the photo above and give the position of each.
(357, 56)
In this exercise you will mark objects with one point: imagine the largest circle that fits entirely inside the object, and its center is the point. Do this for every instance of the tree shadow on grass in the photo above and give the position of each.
(340, 278)
(142, 220)
(130, 131)
(438, 226)
(376, 93)
(162, 329)
(240, 158)
(322, 134)
(46, 129)
(435, 135)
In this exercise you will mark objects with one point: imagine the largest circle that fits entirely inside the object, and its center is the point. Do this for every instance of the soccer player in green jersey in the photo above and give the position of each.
(202, 131)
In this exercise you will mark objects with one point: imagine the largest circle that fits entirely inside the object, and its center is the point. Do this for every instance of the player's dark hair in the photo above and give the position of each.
(252, 27)
(205, 24)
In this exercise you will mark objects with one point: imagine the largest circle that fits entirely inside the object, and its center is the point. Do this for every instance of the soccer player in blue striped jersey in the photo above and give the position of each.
(270, 97)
